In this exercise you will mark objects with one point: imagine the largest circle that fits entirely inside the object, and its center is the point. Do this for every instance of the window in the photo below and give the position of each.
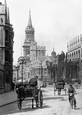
(81, 52)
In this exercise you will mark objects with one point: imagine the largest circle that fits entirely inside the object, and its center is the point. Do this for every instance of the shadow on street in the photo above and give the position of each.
(28, 107)
(25, 109)
(51, 98)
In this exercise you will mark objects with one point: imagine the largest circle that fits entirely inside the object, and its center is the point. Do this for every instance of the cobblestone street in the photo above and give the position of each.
(53, 105)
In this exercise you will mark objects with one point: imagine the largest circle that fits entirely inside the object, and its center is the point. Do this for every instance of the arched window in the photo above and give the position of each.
(79, 54)
(68, 55)
(74, 54)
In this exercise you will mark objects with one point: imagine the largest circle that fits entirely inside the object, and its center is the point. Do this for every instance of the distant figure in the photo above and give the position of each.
(13, 85)
(33, 81)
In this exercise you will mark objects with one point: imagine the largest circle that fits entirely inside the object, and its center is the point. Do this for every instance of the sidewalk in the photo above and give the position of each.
(11, 97)
(7, 98)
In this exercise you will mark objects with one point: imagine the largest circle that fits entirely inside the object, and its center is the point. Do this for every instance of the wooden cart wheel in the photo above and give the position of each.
(40, 98)
(59, 91)
(19, 103)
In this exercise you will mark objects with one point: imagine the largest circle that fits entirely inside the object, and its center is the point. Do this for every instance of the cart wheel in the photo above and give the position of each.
(32, 103)
(19, 103)
(40, 98)
(65, 91)
(59, 91)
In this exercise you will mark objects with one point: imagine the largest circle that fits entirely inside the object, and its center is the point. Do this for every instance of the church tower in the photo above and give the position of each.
(53, 54)
(29, 36)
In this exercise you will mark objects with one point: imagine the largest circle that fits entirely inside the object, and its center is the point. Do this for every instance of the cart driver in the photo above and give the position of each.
(34, 81)
(34, 84)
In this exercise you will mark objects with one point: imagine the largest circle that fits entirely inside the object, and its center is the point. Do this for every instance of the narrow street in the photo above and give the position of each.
(52, 105)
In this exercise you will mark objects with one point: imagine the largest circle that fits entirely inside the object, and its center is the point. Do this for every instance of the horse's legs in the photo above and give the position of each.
(59, 91)
(36, 99)
(32, 102)
(65, 91)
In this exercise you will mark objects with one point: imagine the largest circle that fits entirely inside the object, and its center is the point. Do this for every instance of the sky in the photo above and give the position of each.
(56, 22)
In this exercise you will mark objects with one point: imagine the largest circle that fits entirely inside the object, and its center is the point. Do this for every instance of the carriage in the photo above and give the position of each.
(24, 90)
(59, 85)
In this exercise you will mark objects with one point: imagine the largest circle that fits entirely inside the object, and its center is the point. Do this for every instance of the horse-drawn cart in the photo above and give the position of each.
(59, 85)
(25, 91)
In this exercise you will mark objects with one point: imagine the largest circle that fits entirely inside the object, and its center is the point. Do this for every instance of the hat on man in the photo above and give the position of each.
(36, 76)
(70, 84)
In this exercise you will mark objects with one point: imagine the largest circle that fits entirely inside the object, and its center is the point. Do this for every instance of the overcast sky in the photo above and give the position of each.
(55, 22)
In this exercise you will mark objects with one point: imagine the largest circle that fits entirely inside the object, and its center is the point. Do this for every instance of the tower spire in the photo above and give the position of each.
(5, 3)
(53, 48)
(29, 21)
(8, 18)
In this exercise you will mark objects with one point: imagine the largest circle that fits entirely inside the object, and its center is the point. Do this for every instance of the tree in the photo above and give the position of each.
(61, 65)
(72, 70)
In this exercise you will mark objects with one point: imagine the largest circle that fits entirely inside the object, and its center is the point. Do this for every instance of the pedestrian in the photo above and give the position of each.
(13, 86)
(72, 91)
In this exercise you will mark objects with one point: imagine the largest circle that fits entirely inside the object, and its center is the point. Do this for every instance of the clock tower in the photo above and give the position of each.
(29, 36)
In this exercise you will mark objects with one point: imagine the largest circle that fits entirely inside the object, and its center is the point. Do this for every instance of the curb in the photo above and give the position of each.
(44, 98)
(8, 103)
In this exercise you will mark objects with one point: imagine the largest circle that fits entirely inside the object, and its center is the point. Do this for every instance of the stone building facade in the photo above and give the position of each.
(74, 48)
(6, 49)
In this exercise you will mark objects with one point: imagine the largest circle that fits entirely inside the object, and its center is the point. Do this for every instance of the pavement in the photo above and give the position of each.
(7, 98)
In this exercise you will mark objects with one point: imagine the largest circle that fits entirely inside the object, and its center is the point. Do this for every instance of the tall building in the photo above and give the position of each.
(74, 48)
(6, 49)
(33, 61)
(33, 54)
(29, 37)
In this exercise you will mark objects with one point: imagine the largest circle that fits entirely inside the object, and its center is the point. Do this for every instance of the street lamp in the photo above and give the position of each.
(41, 73)
(22, 61)
(56, 72)
(17, 69)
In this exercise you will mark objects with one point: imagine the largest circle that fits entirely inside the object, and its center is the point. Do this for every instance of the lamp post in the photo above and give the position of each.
(41, 73)
(22, 62)
(56, 69)
(17, 69)
(70, 72)
(22, 69)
